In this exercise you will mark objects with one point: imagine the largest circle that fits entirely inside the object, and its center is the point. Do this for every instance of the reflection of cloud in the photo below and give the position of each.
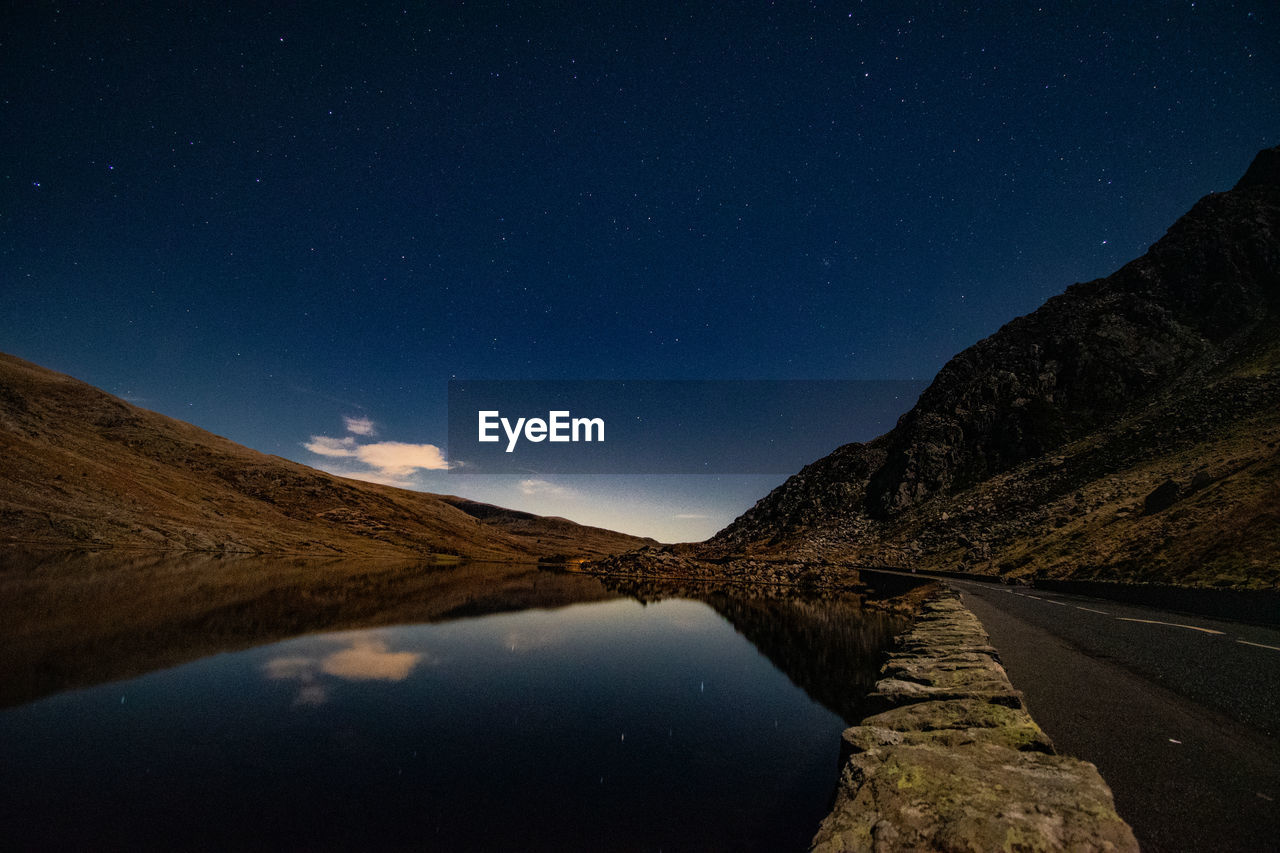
(326, 446)
(359, 426)
(369, 660)
(302, 670)
(366, 659)
(278, 669)
(692, 515)
(541, 487)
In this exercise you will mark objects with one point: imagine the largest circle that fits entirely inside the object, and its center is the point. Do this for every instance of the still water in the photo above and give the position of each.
(610, 723)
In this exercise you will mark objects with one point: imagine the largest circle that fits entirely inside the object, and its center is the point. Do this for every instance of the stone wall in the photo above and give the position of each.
(955, 762)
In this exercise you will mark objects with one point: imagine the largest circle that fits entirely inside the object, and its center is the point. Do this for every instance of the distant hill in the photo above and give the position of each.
(1125, 430)
(79, 467)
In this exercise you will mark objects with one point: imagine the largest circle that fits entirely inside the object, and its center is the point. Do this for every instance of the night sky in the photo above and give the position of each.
(292, 224)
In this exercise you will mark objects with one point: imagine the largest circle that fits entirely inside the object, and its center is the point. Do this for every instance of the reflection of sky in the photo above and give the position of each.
(365, 658)
(583, 721)
(477, 648)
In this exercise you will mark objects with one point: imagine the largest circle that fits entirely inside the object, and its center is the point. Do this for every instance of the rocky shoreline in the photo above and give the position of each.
(954, 761)
(690, 563)
(674, 567)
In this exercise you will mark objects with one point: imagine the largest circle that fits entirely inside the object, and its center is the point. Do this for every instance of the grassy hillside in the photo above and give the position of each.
(79, 467)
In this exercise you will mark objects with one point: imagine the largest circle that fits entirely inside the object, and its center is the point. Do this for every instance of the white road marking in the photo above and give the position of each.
(1170, 624)
(1259, 645)
(1143, 621)
(1038, 598)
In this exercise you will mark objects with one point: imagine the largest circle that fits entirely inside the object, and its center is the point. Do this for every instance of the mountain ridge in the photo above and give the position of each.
(1124, 430)
(82, 468)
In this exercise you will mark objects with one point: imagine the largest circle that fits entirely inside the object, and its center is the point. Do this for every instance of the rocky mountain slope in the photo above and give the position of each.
(79, 467)
(1127, 429)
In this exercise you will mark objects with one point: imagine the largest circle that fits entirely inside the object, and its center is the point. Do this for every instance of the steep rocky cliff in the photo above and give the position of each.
(1042, 448)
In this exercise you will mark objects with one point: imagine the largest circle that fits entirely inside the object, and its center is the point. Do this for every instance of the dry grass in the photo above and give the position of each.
(79, 467)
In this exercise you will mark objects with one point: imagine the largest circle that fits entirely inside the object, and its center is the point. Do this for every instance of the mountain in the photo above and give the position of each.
(79, 467)
(1125, 430)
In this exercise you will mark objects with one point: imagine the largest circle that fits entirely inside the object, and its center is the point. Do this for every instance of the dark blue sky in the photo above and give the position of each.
(264, 219)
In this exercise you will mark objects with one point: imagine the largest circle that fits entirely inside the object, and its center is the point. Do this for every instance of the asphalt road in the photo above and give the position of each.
(1180, 713)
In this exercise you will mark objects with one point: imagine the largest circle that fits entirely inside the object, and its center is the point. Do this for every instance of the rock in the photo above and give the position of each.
(945, 655)
(933, 679)
(979, 797)
(952, 722)
(1161, 497)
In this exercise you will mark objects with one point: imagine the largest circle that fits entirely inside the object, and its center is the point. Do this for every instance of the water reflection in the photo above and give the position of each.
(829, 643)
(71, 619)
(466, 707)
(363, 658)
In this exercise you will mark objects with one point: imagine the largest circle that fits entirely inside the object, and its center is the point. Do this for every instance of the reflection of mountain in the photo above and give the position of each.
(79, 467)
(829, 644)
(71, 619)
(74, 619)
(831, 649)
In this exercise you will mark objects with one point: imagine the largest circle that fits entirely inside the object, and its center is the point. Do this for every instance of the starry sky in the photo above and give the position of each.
(292, 224)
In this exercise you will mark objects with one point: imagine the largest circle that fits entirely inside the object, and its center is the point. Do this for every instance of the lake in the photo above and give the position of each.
(470, 707)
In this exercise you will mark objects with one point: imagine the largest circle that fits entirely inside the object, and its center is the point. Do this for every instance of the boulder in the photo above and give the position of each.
(1162, 497)
(977, 797)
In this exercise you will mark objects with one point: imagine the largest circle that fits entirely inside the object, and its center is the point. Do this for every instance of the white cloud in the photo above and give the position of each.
(391, 463)
(691, 515)
(397, 459)
(541, 487)
(325, 446)
(359, 426)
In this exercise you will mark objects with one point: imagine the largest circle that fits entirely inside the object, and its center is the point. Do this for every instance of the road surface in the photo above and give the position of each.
(1180, 713)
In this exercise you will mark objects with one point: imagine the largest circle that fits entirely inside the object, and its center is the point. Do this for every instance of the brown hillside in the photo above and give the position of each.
(79, 467)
